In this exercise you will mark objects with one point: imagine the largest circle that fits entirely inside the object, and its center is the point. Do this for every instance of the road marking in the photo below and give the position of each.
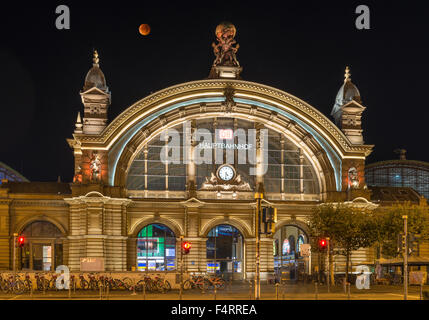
(401, 295)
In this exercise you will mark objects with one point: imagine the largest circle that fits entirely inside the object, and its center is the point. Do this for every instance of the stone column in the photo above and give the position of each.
(189, 143)
(97, 230)
(267, 258)
(195, 261)
(5, 236)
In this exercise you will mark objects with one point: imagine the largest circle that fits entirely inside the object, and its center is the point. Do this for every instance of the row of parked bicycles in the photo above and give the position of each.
(42, 282)
(204, 282)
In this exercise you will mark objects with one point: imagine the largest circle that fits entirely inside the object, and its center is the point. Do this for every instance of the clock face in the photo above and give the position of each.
(226, 173)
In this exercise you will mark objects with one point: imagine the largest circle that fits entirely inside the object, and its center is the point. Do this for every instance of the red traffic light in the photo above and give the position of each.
(322, 243)
(186, 247)
(21, 241)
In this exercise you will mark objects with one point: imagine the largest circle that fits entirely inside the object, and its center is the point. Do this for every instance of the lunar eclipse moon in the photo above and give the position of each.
(144, 29)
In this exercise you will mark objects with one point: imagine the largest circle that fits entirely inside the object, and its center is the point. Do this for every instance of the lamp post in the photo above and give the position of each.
(329, 264)
(181, 267)
(14, 256)
(405, 255)
(258, 196)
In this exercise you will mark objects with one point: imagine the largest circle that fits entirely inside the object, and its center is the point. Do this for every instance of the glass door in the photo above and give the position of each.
(42, 257)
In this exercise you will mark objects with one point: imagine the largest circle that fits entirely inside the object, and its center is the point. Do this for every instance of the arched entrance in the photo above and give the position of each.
(43, 248)
(225, 251)
(289, 260)
(156, 248)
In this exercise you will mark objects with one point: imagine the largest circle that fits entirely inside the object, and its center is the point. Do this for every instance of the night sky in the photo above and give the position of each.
(300, 47)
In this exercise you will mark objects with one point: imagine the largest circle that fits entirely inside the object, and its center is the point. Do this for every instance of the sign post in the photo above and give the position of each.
(329, 264)
(405, 255)
(258, 197)
(181, 267)
(14, 256)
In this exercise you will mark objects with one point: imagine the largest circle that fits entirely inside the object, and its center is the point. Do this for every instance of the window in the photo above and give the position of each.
(156, 249)
(288, 169)
(224, 250)
(43, 248)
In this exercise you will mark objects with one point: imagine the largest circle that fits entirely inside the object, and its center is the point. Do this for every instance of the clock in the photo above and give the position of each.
(226, 172)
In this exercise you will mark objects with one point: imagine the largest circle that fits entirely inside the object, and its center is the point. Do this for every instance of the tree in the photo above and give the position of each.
(348, 227)
(392, 224)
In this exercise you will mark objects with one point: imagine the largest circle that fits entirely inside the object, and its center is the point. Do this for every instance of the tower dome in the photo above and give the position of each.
(95, 77)
(348, 92)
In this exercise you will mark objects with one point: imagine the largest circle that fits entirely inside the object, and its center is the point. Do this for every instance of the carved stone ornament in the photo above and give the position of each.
(95, 168)
(216, 184)
(353, 178)
(225, 50)
(78, 175)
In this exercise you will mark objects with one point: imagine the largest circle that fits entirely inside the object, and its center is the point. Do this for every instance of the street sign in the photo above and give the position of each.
(305, 249)
(417, 277)
(91, 264)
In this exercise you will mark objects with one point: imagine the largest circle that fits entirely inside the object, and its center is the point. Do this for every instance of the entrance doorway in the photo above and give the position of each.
(225, 252)
(156, 248)
(289, 262)
(43, 248)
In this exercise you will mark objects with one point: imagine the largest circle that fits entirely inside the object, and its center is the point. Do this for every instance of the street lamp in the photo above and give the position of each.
(405, 255)
(259, 195)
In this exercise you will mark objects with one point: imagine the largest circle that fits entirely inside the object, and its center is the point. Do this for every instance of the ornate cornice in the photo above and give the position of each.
(39, 203)
(216, 88)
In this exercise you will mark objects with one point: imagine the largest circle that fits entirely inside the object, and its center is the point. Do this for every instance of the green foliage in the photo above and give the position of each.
(391, 224)
(348, 227)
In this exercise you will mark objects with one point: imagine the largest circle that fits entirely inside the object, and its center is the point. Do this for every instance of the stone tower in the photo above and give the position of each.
(347, 110)
(95, 98)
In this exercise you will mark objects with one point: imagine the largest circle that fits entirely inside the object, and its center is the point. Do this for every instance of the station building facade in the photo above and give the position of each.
(224, 139)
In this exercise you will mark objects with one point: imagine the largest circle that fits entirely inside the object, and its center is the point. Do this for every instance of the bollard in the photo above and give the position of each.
(284, 291)
(31, 291)
(277, 291)
(101, 293)
(134, 287)
(421, 291)
(108, 291)
(144, 290)
(348, 290)
(316, 290)
(215, 292)
(203, 290)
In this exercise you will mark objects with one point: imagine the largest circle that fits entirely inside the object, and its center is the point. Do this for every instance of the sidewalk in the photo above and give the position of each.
(237, 292)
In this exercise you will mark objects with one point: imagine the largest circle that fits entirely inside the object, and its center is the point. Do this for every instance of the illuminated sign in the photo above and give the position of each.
(91, 264)
(218, 145)
(226, 134)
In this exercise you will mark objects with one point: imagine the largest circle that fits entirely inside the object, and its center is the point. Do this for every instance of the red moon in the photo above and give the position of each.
(144, 29)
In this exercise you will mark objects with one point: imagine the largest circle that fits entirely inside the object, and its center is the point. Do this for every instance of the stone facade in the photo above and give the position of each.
(100, 218)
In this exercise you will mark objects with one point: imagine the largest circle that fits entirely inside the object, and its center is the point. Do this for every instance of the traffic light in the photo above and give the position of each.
(186, 247)
(322, 243)
(21, 241)
(269, 218)
(412, 238)
(411, 243)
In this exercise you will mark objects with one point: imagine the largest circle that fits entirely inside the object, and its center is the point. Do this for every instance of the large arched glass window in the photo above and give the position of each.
(156, 248)
(220, 140)
(224, 250)
(43, 248)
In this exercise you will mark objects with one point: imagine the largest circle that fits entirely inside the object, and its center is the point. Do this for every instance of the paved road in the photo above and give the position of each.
(237, 292)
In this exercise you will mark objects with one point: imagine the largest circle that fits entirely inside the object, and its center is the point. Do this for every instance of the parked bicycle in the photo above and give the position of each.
(195, 282)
